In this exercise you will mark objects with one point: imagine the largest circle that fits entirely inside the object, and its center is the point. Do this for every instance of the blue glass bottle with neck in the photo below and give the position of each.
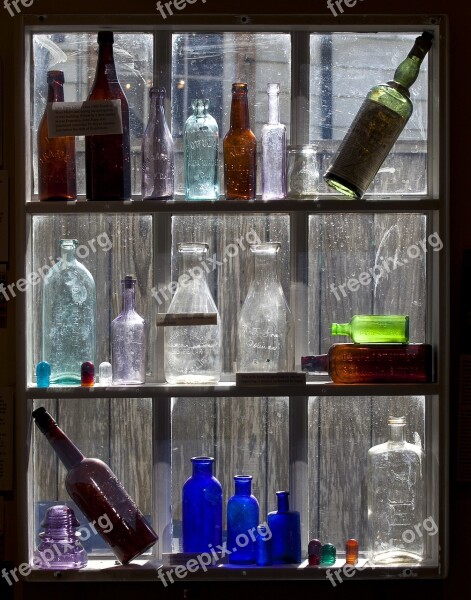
(285, 526)
(242, 520)
(201, 507)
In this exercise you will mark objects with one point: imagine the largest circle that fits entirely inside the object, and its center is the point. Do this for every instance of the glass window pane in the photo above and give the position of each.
(206, 65)
(246, 436)
(344, 66)
(76, 55)
(366, 264)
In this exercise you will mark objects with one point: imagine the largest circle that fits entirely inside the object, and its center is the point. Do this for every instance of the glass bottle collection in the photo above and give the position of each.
(380, 351)
(368, 142)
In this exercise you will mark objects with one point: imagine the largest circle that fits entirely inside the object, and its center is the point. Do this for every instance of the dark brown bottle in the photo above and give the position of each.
(56, 156)
(240, 149)
(373, 363)
(97, 492)
(107, 157)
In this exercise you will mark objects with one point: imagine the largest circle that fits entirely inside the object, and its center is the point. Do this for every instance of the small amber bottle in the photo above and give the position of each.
(373, 363)
(240, 149)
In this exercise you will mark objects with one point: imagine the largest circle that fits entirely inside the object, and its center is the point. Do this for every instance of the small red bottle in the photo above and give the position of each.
(98, 493)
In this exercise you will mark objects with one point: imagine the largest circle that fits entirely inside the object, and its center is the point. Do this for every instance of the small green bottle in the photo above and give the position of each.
(375, 329)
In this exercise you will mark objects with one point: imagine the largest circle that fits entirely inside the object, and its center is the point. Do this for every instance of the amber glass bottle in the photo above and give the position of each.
(107, 157)
(97, 492)
(56, 156)
(240, 149)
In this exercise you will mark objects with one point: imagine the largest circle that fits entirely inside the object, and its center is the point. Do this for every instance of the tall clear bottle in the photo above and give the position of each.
(240, 149)
(128, 339)
(396, 498)
(376, 127)
(265, 323)
(68, 317)
(192, 353)
(273, 149)
(108, 157)
(201, 147)
(158, 161)
(56, 156)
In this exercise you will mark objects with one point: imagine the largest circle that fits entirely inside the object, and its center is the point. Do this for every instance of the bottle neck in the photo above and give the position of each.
(341, 329)
(408, 71)
(68, 453)
(265, 269)
(106, 69)
(157, 107)
(67, 254)
(396, 433)
(191, 264)
(202, 467)
(55, 91)
(128, 297)
(243, 486)
(283, 502)
(273, 109)
(240, 110)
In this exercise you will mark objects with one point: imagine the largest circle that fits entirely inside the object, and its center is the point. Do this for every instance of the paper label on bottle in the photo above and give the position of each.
(255, 379)
(6, 439)
(93, 117)
(180, 319)
(368, 142)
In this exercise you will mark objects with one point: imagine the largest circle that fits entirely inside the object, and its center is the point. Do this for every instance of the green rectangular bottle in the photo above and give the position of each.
(375, 329)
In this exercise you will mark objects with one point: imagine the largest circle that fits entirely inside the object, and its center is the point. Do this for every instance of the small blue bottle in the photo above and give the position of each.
(242, 520)
(43, 374)
(201, 507)
(285, 525)
(263, 545)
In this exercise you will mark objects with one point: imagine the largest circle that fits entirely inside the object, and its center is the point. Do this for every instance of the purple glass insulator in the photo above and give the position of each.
(60, 547)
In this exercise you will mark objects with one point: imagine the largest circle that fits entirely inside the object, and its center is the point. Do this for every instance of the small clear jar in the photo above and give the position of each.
(303, 172)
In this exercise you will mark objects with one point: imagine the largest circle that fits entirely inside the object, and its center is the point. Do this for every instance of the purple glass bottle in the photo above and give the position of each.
(157, 152)
(60, 547)
(128, 339)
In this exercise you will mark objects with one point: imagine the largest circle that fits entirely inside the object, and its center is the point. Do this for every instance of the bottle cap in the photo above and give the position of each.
(105, 37)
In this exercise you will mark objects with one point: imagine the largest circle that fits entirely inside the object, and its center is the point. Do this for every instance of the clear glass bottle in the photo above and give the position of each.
(242, 519)
(375, 329)
(128, 339)
(201, 151)
(240, 149)
(97, 492)
(201, 507)
(108, 157)
(59, 548)
(376, 127)
(265, 324)
(273, 149)
(68, 317)
(285, 526)
(192, 353)
(158, 160)
(303, 172)
(56, 156)
(396, 497)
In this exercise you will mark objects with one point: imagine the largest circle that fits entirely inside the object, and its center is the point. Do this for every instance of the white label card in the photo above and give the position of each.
(93, 117)
(179, 319)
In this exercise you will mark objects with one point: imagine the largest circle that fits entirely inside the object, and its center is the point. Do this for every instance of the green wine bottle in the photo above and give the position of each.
(376, 127)
(375, 329)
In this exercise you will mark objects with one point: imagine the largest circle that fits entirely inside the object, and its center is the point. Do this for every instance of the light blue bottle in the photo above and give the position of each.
(201, 149)
(68, 317)
(242, 522)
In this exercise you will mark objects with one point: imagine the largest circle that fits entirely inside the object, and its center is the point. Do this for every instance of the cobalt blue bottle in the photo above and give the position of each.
(285, 526)
(201, 507)
(242, 521)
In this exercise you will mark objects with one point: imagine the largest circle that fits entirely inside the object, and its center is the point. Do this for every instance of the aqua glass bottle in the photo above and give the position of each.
(128, 339)
(242, 520)
(273, 149)
(201, 507)
(375, 329)
(68, 317)
(285, 526)
(158, 156)
(396, 499)
(201, 150)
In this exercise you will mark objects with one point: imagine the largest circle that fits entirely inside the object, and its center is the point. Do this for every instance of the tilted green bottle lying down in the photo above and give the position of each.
(375, 329)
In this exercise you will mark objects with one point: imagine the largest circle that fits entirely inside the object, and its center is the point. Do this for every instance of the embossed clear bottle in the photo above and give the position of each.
(265, 323)
(396, 499)
(273, 149)
(192, 353)
(201, 148)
